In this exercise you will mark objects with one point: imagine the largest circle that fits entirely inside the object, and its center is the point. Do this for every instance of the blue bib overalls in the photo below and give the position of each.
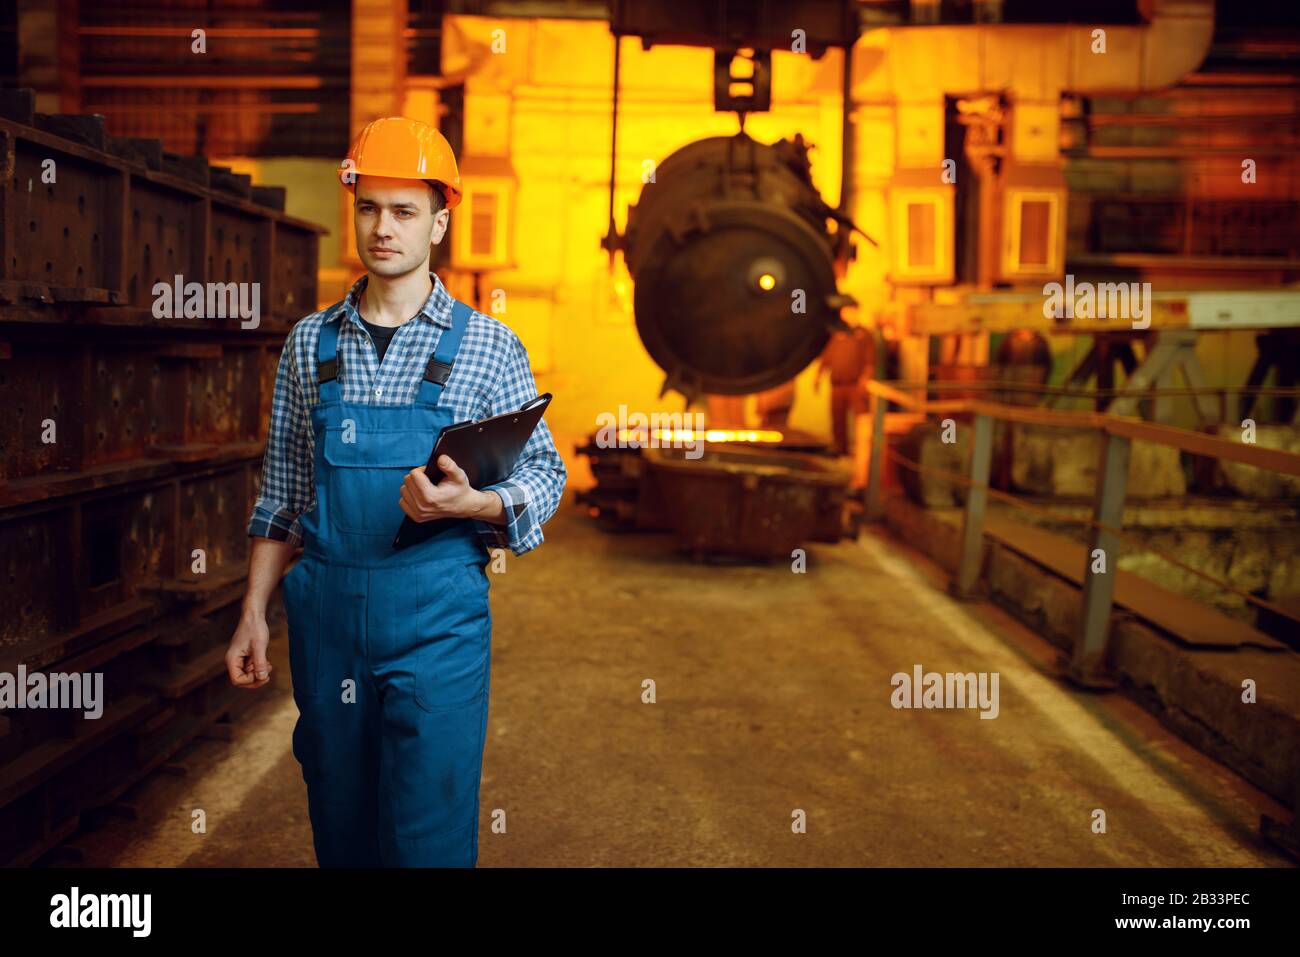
(389, 650)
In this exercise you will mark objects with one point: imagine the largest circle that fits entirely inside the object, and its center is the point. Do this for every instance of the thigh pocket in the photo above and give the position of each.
(302, 594)
(455, 634)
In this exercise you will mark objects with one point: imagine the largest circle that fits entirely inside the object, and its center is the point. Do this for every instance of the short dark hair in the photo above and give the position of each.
(437, 198)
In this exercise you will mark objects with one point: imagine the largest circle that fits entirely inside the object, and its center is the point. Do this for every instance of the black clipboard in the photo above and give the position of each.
(486, 451)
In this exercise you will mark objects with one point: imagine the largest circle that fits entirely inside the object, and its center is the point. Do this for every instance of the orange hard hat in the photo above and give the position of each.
(401, 148)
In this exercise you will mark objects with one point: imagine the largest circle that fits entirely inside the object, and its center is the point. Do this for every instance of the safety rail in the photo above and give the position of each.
(1087, 666)
(1004, 385)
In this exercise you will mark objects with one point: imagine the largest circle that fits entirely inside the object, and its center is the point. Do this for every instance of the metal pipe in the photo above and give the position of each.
(611, 235)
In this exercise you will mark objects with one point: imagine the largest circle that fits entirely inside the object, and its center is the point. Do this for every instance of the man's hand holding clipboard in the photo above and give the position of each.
(466, 457)
(424, 501)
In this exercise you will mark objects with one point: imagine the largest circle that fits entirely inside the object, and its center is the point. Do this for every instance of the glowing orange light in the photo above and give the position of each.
(766, 281)
(673, 436)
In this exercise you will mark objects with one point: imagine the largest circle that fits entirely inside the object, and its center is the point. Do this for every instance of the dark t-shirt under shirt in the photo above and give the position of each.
(382, 335)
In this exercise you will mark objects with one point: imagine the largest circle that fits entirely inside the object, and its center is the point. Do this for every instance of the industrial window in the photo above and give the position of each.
(1035, 232)
(920, 234)
(483, 223)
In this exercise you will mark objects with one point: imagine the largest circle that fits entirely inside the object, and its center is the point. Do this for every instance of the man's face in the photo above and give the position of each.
(395, 224)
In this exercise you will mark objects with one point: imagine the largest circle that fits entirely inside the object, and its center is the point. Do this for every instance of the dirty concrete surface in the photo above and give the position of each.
(772, 696)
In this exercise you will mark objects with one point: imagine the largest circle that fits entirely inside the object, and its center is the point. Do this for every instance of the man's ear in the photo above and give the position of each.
(441, 220)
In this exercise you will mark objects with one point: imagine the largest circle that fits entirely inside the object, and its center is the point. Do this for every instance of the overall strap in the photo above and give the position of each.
(438, 371)
(327, 363)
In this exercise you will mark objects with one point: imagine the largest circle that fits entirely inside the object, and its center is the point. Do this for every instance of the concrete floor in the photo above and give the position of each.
(773, 694)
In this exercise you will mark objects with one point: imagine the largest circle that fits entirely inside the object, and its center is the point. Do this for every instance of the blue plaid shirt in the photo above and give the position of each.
(491, 376)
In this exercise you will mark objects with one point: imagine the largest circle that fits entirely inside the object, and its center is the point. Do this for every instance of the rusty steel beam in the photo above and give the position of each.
(159, 431)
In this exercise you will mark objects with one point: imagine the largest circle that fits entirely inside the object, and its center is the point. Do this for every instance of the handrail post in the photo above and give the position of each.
(1088, 667)
(876, 461)
(972, 532)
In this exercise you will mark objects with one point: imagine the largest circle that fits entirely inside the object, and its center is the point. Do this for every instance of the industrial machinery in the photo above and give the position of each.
(734, 255)
(729, 246)
(733, 264)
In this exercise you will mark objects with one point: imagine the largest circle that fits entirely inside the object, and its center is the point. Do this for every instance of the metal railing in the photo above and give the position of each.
(1090, 646)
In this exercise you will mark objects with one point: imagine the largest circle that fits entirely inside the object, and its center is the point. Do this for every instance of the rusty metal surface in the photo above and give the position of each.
(37, 383)
(222, 401)
(59, 233)
(294, 281)
(124, 404)
(746, 502)
(626, 496)
(239, 246)
(1193, 226)
(164, 239)
(159, 427)
(213, 514)
(28, 605)
(123, 542)
(106, 402)
(114, 223)
(268, 364)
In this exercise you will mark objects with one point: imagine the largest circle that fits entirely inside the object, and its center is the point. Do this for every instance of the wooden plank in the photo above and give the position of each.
(1199, 443)
(1189, 621)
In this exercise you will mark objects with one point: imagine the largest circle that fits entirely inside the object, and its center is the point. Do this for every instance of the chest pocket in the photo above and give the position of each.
(363, 478)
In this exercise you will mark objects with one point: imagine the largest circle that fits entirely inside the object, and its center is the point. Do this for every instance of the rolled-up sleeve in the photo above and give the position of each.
(286, 490)
(533, 490)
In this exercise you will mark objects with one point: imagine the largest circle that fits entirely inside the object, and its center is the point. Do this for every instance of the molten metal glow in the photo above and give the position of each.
(674, 436)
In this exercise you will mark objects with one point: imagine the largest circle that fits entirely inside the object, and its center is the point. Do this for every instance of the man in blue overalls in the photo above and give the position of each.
(390, 650)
